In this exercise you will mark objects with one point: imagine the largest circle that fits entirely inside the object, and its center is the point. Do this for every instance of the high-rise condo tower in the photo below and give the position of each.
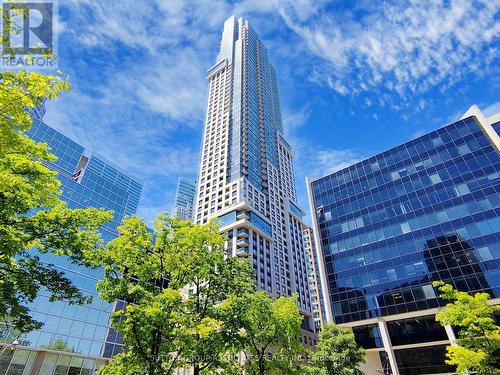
(246, 174)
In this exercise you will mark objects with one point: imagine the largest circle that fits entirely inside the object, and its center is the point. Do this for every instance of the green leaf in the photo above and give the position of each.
(478, 338)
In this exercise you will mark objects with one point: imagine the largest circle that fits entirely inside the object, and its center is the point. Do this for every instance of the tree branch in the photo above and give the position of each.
(139, 345)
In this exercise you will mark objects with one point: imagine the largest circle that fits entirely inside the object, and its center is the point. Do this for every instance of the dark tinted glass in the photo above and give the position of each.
(426, 360)
(415, 330)
(368, 336)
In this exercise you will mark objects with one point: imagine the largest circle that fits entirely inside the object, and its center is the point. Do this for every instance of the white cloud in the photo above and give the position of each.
(407, 47)
(142, 143)
(163, 66)
(143, 149)
(292, 119)
(176, 89)
(301, 9)
(330, 161)
(418, 134)
(173, 43)
(492, 109)
(152, 24)
(139, 24)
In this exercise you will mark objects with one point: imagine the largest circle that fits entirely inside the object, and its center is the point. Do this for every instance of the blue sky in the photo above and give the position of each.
(355, 77)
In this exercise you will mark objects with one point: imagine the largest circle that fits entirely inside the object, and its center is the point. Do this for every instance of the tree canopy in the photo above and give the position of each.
(175, 280)
(269, 333)
(33, 218)
(336, 353)
(478, 344)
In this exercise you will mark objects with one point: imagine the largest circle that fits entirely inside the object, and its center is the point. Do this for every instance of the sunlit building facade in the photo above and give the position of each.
(387, 227)
(314, 279)
(74, 339)
(246, 175)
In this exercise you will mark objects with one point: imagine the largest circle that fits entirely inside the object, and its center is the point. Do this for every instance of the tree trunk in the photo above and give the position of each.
(196, 369)
(262, 367)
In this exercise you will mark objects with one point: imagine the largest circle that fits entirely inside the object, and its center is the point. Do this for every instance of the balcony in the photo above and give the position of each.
(242, 252)
(242, 233)
(242, 216)
(242, 242)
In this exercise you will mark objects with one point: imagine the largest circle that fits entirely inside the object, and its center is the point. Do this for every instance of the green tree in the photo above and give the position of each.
(32, 216)
(336, 353)
(174, 279)
(269, 333)
(210, 277)
(478, 341)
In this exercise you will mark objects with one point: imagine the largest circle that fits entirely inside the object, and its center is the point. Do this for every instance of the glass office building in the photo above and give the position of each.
(389, 226)
(74, 339)
(184, 199)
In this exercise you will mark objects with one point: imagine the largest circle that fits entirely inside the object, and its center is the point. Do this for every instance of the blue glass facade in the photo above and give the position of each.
(426, 210)
(256, 114)
(295, 210)
(227, 219)
(184, 199)
(86, 181)
(263, 226)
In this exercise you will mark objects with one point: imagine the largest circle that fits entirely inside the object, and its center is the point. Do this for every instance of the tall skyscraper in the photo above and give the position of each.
(315, 287)
(246, 175)
(184, 199)
(389, 226)
(74, 339)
